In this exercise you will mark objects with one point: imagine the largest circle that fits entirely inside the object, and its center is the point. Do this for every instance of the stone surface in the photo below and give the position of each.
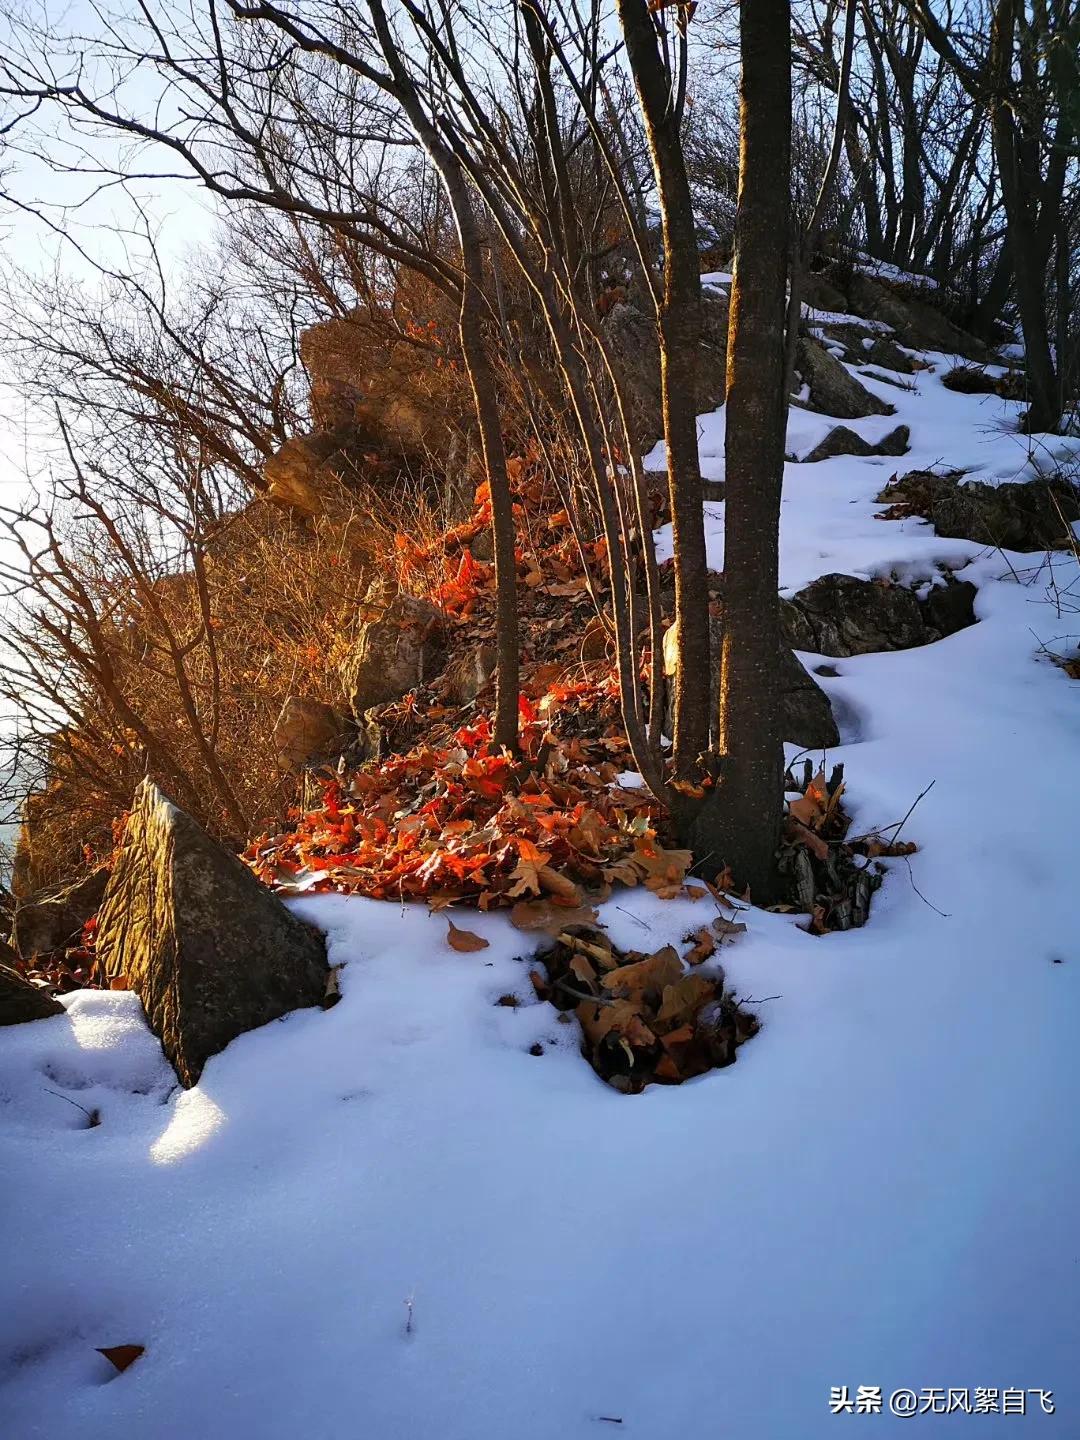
(210, 952)
(842, 441)
(53, 918)
(833, 389)
(916, 322)
(307, 731)
(635, 354)
(806, 714)
(403, 647)
(20, 1001)
(843, 615)
(1027, 517)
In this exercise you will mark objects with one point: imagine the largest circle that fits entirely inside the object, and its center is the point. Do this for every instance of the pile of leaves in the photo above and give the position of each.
(647, 1018)
(466, 820)
(831, 876)
(73, 967)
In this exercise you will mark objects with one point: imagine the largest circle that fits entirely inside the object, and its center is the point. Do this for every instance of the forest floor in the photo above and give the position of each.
(392, 1220)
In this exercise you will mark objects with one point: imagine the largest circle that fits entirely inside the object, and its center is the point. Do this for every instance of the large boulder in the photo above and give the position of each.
(210, 952)
(833, 389)
(1030, 516)
(53, 918)
(20, 1001)
(402, 647)
(842, 441)
(917, 323)
(635, 353)
(806, 715)
(843, 615)
(308, 731)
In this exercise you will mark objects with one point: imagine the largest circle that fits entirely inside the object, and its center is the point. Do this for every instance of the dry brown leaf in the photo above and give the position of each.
(464, 940)
(723, 926)
(704, 947)
(534, 915)
(644, 981)
(684, 999)
(121, 1355)
(582, 969)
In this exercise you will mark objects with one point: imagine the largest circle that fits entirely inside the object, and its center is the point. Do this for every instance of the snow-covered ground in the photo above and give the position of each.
(391, 1221)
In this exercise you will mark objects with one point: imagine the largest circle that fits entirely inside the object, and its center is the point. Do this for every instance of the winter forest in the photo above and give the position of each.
(539, 718)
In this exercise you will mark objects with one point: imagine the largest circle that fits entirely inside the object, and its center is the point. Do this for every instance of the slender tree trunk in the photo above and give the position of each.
(741, 825)
(1029, 258)
(680, 335)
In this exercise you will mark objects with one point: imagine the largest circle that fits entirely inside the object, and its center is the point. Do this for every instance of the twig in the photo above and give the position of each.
(636, 922)
(409, 1314)
(92, 1115)
(583, 994)
(945, 914)
(899, 825)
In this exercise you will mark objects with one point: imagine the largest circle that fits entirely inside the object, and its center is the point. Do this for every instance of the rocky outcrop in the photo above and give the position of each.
(20, 1001)
(403, 647)
(842, 441)
(635, 353)
(308, 731)
(916, 322)
(1031, 516)
(842, 615)
(210, 952)
(54, 918)
(833, 389)
(806, 715)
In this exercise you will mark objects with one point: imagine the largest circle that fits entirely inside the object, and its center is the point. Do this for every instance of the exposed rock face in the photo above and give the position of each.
(403, 648)
(807, 716)
(210, 952)
(833, 389)
(842, 441)
(635, 352)
(1025, 517)
(307, 731)
(54, 917)
(20, 1001)
(916, 323)
(842, 615)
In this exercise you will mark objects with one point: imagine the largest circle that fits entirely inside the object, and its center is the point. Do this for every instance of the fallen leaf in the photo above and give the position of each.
(121, 1355)
(464, 940)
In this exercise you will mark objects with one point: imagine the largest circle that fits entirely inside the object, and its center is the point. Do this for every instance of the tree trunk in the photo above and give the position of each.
(680, 335)
(740, 825)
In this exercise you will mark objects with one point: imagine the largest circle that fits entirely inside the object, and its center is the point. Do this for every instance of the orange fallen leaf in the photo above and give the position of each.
(464, 940)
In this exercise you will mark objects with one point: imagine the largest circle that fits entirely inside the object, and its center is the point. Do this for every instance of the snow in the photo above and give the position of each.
(390, 1220)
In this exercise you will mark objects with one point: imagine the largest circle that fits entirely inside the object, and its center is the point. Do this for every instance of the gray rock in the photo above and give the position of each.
(1027, 517)
(308, 731)
(20, 1001)
(833, 389)
(842, 441)
(210, 952)
(806, 714)
(405, 646)
(916, 322)
(635, 354)
(842, 615)
(53, 918)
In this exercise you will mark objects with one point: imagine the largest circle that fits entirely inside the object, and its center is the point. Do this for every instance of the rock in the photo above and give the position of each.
(635, 354)
(918, 324)
(54, 918)
(307, 731)
(889, 356)
(842, 615)
(210, 952)
(821, 294)
(974, 380)
(806, 714)
(949, 607)
(842, 441)
(833, 389)
(403, 648)
(292, 477)
(20, 1001)
(1027, 517)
